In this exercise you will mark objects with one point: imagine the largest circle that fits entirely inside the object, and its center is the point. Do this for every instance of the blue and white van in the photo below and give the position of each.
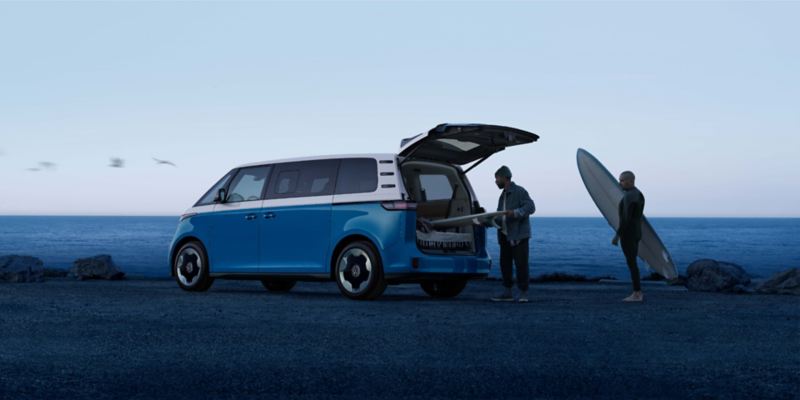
(352, 219)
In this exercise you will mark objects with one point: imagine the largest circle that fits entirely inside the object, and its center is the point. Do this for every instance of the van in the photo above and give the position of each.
(359, 220)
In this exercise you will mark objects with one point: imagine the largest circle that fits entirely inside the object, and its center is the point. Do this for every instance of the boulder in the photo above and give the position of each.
(15, 268)
(786, 282)
(97, 267)
(717, 276)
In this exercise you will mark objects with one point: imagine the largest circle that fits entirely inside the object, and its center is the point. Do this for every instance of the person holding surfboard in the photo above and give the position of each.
(513, 233)
(629, 233)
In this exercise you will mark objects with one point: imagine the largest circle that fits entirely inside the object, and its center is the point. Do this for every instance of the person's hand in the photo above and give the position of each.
(615, 240)
(476, 221)
(509, 213)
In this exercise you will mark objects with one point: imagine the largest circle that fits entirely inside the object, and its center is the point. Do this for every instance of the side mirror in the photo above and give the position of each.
(221, 196)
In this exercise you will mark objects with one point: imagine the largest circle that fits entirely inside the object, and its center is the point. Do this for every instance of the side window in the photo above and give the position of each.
(248, 184)
(211, 194)
(357, 175)
(304, 178)
(435, 187)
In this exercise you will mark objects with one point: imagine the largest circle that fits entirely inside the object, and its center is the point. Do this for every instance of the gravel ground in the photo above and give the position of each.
(148, 339)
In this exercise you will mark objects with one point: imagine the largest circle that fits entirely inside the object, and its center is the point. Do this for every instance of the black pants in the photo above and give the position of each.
(510, 255)
(630, 247)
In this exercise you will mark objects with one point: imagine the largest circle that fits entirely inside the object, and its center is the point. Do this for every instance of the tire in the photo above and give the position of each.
(278, 286)
(358, 271)
(444, 289)
(190, 267)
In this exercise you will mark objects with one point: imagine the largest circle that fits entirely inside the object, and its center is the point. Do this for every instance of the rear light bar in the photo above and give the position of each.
(399, 205)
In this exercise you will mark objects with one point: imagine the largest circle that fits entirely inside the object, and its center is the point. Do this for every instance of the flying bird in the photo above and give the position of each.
(43, 165)
(117, 163)
(164, 162)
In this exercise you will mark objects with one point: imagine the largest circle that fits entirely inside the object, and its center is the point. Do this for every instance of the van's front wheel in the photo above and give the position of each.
(190, 268)
(358, 271)
(444, 289)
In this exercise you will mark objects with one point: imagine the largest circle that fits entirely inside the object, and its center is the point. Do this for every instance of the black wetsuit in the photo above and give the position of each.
(631, 210)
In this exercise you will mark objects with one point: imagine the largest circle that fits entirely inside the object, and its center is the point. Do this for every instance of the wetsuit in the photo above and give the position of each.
(631, 210)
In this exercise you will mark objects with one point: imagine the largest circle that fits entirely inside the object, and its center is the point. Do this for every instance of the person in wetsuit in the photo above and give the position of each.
(629, 233)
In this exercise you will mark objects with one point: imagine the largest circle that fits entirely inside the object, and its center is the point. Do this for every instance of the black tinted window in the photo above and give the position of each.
(305, 178)
(357, 175)
(211, 194)
(248, 184)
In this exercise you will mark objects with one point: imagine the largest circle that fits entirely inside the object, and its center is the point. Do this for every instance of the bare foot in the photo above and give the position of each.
(635, 297)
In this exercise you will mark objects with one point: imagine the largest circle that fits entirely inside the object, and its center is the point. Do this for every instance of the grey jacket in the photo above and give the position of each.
(517, 199)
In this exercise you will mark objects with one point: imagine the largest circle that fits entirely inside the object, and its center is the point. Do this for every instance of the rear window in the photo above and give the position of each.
(357, 175)
(435, 187)
(304, 178)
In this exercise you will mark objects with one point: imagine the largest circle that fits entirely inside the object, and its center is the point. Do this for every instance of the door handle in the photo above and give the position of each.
(269, 215)
(250, 217)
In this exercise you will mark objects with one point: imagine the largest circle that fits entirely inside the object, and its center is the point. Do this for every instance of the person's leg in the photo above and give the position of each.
(506, 261)
(631, 250)
(521, 252)
(506, 266)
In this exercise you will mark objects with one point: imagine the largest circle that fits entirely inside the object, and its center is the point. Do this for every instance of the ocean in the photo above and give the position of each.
(139, 245)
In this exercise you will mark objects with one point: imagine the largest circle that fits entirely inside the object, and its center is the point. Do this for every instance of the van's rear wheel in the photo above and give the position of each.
(190, 267)
(358, 271)
(278, 286)
(444, 289)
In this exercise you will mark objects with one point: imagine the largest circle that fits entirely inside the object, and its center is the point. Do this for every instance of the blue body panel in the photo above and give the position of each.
(295, 239)
(300, 240)
(233, 244)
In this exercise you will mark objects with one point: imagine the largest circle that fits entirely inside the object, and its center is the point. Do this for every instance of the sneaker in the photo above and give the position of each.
(505, 296)
(523, 297)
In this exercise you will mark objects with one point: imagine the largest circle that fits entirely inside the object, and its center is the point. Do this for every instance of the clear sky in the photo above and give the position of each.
(701, 100)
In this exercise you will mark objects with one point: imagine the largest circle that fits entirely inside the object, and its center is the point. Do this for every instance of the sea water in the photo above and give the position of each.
(582, 246)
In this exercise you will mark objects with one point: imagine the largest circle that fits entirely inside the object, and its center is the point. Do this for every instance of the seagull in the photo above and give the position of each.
(164, 162)
(43, 165)
(117, 163)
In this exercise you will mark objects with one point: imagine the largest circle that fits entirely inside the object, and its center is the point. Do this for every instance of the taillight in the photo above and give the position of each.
(399, 205)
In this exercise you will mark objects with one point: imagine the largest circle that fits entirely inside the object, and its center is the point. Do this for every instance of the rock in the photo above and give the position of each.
(717, 276)
(97, 267)
(786, 282)
(15, 268)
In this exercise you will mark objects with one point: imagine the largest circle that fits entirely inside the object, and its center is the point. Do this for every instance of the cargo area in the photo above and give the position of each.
(440, 192)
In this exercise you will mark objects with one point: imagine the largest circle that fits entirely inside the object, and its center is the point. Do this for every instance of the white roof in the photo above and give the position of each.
(378, 156)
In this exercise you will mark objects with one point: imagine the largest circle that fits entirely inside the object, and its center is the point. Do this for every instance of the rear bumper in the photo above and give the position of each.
(424, 265)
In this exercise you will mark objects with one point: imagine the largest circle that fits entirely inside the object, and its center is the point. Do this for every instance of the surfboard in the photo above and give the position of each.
(605, 191)
(465, 219)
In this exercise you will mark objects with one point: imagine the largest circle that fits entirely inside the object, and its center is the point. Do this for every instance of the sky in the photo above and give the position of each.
(700, 100)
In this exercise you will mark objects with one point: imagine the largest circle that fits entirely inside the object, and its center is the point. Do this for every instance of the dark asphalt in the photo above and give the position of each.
(148, 339)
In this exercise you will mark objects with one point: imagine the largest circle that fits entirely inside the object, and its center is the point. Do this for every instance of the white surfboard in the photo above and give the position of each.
(607, 193)
(465, 219)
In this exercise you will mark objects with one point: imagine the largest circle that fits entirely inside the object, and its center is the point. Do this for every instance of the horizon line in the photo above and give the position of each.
(534, 216)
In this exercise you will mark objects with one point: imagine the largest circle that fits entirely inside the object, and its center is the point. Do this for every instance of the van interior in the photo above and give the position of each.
(440, 192)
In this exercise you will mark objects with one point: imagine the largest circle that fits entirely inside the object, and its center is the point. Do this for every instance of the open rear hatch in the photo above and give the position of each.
(439, 189)
(462, 144)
